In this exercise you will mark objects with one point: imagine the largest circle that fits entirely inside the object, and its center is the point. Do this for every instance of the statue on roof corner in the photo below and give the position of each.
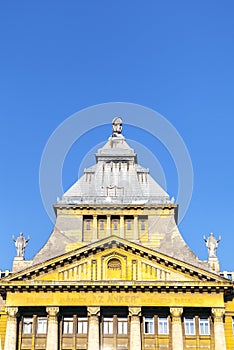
(116, 126)
(212, 244)
(20, 244)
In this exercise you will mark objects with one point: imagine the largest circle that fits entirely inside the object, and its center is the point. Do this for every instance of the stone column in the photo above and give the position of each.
(121, 226)
(11, 328)
(136, 235)
(94, 238)
(135, 328)
(177, 334)
(108, 225)
(93, 334)
(52, 329)
(219, 334)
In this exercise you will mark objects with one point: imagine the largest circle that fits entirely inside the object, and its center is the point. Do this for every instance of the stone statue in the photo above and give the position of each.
(212, 244)
(20, 244)
(116, 126)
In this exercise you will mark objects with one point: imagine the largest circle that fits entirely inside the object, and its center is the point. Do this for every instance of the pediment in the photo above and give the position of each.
(114, 259)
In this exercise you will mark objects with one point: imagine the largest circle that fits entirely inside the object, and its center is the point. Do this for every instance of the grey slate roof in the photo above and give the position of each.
(116, 178)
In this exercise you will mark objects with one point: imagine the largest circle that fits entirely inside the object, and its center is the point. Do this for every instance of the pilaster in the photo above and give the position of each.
(11, 328)
(177, 334)
(219, 334)
(93, 334)
(135, 328)
(52, 331)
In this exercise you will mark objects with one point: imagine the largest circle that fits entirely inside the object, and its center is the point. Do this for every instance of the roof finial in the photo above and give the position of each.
(116, 127)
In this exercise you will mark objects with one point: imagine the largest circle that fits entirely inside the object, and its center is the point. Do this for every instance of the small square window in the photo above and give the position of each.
(148, 325)
(204, 326)
(88, 225)
(162, 325)
(41, 325)
(129, 225)
(101, 222)
(115, 224)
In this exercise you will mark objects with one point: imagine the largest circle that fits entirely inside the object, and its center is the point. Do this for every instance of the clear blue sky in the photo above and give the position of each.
(176, 57)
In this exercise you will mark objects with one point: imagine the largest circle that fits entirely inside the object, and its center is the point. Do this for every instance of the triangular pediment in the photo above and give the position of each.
(114, 259)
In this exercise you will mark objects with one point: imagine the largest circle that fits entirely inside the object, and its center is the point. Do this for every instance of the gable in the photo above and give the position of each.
(114, 259)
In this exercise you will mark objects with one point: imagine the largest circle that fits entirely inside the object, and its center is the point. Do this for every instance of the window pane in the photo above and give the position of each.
(108, 326)
(162, 325)
(82, 326)
(41, 325)
(204, 326)
(189, 326)
(68, 325)
(149, 325)
(129, 225)
(27, 325)
(101, 225)
(142, 225)
(87, 224)
(122, 326)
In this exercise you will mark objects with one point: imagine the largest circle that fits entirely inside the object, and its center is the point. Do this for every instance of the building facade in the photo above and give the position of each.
(116, 273)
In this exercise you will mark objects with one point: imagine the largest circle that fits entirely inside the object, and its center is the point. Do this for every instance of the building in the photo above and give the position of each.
(116, 273)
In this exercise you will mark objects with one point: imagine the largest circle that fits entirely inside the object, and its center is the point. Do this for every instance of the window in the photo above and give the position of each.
(101, 224)
(67, 325)
(115, 224)
(41, 325)
(204, 326)
(108, 326)
(162, 325)
(129, 225)
(122, 326)
(148, 325)
(88, 224)
(142, 225)
(232, 325)
(189, 326)
(27, 325)
(82, 325)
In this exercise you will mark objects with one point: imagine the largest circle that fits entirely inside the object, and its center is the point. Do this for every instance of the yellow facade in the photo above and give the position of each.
(116, 273)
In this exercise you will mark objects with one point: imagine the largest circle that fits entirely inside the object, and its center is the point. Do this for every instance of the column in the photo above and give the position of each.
(177, 334)
(121, 228)
(135, 328)
(219, 334)
(136, 235)
(94, 237)
(11, 328)
(108, 225)
(52, 330)
(93, 334)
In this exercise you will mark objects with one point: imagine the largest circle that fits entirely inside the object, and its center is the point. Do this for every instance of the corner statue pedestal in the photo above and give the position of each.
(19, 263)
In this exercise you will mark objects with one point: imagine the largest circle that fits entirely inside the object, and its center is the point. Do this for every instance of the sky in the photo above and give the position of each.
(174, 57)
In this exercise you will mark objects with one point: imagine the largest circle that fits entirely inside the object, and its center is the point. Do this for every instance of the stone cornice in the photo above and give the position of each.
(157, 286)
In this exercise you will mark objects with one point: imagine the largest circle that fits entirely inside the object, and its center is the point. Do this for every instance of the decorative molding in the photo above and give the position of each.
(218, 313)
(52, 311)
(11, 311)
(93, 310)
(176, 313)
(134, 311)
